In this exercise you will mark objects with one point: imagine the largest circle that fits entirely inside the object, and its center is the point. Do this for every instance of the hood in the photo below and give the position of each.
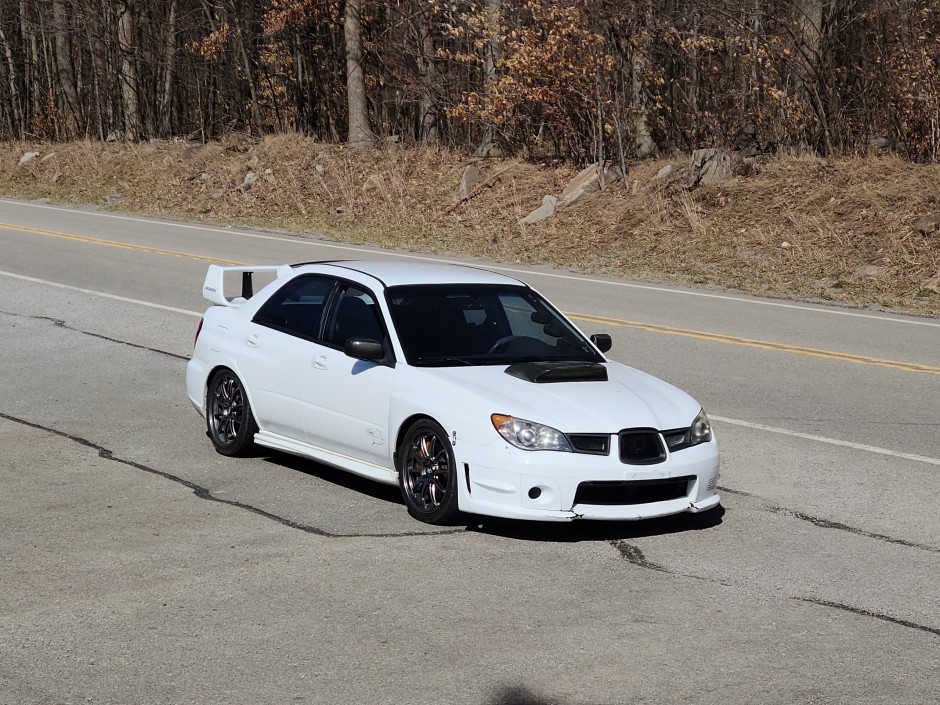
(627, 399)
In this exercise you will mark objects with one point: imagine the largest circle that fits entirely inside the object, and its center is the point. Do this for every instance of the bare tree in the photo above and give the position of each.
(247, 65)
(65, 74)
(578, 79)
(130, 84)
(32, 65)
(643, 138)
(808, 46)
(360, 134)
(491, 54)
(169, 72)
(428, 113)
(15, 117)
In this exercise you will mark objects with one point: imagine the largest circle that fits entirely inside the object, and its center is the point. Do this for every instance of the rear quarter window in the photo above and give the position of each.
(297, 307)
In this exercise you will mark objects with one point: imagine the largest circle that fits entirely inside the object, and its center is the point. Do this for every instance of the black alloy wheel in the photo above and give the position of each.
(231, 424)
(427, 473)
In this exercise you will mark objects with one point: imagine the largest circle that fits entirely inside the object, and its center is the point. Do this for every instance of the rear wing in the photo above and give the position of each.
(214, 287)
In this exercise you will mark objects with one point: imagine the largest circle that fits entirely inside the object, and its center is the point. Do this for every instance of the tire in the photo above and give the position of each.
(427, 473)
(231, 424)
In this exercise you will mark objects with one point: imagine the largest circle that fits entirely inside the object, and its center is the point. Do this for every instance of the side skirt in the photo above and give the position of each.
(343, 462)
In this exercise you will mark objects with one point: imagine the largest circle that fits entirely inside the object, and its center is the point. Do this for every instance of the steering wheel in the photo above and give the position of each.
(502, 345)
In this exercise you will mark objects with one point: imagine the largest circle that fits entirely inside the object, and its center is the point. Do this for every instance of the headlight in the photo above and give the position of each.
(529, 435)
(701, 430)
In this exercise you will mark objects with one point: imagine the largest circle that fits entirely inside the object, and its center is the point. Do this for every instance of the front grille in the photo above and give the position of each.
(641, 446)
(620, 492)
(595, 444)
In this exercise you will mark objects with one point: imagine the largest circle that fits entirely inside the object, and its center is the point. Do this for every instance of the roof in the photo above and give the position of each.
(400, 272)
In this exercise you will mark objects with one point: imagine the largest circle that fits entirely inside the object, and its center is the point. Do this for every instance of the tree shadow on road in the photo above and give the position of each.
(519, 695)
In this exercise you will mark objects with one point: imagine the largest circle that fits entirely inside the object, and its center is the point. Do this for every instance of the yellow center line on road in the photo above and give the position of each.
(760, 344)
(588, 318)
(87, 239)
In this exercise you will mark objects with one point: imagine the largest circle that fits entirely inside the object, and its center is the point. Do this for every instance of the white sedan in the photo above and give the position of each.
(465, 387)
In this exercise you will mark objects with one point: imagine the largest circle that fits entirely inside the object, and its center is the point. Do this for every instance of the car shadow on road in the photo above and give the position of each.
(597, 530)
(341, 478)
(565, 532)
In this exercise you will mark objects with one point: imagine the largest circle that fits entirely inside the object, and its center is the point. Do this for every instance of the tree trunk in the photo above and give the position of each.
(808, 21)
(130, 85)
(599, 152)
(695, 81)
(31, 49)
(66, 75)
(755, 49)
(247, 68)
(48, 67)
(428, 114)
(16, 114)
(491, 53)
(96, 27)
(169, 59)
(642, 137)
(360, 134)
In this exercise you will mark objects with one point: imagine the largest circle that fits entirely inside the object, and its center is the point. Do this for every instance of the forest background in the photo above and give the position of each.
(835, 103)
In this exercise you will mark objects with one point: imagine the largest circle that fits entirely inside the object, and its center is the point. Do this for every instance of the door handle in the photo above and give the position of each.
(253, 340)
(321, 362)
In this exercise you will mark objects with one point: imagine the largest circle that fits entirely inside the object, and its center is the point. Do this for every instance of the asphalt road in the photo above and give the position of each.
(138, 566)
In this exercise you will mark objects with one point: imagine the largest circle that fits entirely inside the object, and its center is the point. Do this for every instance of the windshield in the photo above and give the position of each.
(444, 325)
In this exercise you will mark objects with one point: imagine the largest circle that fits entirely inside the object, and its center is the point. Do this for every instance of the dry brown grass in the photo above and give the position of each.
(835, 215)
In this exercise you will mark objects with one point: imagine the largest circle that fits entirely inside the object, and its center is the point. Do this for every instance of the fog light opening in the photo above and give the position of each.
(535, 493)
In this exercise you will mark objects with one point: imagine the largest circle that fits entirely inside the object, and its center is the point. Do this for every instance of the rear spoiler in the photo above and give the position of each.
(214, 287)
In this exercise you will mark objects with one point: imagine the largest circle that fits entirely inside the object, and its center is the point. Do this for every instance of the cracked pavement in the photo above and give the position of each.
(139, 566)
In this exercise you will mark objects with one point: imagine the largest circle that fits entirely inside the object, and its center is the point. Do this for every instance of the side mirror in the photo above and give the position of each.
(602, 341)
(542, 317)
(364, 349)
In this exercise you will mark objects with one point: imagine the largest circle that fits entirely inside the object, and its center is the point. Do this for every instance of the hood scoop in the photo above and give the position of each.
(561, 371)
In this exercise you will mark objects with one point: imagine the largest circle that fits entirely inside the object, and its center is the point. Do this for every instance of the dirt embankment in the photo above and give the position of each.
(796, 227)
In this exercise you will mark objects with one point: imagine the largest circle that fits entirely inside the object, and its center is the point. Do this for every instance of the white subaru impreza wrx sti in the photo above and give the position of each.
(465, 387)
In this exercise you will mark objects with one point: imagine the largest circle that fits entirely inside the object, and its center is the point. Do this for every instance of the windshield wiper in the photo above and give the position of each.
(443, 361)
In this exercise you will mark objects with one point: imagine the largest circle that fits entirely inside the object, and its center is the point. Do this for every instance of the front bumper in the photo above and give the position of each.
(517, 484)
